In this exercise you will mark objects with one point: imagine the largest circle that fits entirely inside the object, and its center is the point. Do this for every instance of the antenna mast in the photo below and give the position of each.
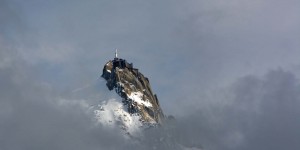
(116, 53)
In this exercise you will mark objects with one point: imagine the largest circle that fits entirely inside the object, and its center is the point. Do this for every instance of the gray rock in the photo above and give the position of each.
(135, 90)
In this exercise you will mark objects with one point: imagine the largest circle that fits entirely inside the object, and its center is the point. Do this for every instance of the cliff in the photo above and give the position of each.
(135, 90)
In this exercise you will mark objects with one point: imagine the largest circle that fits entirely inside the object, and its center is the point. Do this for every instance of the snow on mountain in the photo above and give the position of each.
(112, 114)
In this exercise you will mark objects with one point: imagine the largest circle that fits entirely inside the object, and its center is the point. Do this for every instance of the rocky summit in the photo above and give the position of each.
(134, 89)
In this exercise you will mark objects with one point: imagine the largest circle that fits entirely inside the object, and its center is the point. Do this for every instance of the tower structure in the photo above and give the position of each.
(116, 53)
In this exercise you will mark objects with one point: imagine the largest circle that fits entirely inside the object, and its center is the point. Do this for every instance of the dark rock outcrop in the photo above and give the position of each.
(134, 88)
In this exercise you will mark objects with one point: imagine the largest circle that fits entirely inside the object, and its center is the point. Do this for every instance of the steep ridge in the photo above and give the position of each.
(134, 89)
(134, 109)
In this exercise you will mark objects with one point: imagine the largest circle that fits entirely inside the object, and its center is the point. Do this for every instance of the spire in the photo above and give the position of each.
(116, 53)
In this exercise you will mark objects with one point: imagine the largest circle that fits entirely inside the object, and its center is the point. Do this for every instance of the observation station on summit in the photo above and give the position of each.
(121, 63)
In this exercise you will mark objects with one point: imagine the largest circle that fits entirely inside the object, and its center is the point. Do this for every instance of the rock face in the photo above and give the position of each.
(135, 90)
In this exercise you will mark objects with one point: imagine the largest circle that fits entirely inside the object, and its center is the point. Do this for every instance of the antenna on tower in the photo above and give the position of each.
(116, 53)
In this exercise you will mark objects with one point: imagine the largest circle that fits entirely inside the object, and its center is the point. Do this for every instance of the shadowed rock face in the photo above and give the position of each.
(134, 88)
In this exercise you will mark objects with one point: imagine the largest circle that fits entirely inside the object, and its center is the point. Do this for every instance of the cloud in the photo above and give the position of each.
(208, 61)
(253, 113)
(33, 116)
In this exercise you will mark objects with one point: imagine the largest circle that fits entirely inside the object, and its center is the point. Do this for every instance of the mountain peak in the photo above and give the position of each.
(134, 89)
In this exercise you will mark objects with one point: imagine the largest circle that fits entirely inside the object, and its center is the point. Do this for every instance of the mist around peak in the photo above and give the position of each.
(227, 71)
